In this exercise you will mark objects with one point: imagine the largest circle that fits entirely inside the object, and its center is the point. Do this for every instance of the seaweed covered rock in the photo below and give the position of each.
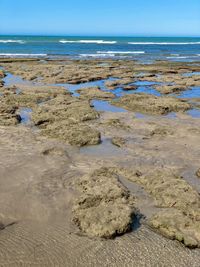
(117, 123)
(30, 96)
(198, 173)
(75, 134)
(104, 207)
(171, 190)
(129, 87)
(161, 131)
(180, 218)
(8, 114)
(64, 109)
(2, 75)
(118, 141)
(169, 89)
(150, 104)
(174, 224)
(94, 93)
(65, 118)
(113, 84)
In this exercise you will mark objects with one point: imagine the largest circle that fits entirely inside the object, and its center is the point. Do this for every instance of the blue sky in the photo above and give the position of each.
(101, 17)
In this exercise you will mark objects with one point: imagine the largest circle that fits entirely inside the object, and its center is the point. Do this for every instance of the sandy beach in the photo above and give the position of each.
(100, 162)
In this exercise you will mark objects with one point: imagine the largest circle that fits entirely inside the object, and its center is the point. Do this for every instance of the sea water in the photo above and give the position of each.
(144, 49)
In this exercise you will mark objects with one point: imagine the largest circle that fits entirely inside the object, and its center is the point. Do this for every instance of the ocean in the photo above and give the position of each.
(145, 49)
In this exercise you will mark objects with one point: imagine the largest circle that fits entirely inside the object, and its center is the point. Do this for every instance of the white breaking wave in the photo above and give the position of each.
(64, 42)
(178, 57)
(21, 55)
(121, 52)
(97, 55)
(89, 42)
(111, 53)
(12, 41)
(183, 56)
(163, 43)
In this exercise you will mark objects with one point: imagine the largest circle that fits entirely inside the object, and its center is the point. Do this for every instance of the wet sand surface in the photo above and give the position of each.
(46, 166)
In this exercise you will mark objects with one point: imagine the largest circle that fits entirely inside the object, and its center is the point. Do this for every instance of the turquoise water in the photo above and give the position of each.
(139, 48)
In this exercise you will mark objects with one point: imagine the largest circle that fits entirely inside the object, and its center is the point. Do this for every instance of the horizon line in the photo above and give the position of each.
(92, 35)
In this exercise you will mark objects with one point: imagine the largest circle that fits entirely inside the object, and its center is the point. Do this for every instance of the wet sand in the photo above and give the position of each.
(51, 160)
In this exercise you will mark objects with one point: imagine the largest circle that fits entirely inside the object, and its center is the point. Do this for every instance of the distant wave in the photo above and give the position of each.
(12, 41)
(21, 55)
(121, 52)
(111, 53)
(65, 42)
(88, 42)
(178, 57)
(163, 43)
(182, 57)
(97, 55)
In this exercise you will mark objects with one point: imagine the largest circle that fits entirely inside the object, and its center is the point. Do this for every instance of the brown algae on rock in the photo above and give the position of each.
(151, 104)
(65, 118)
(169, 89)
(174, 224)
(104, 207)
(180, 218)
(94, 93)
(118, 141)
(8, 114)
(30, 96)
(198, 173)
(2, 75)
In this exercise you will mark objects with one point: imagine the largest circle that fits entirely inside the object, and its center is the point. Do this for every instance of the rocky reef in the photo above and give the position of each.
(66, 118)
(104, 207)
(146, 165)
(151, 104)
(180, 217)
(94, 93)
(8, 114)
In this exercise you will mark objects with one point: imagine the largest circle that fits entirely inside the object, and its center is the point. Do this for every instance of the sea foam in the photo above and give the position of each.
(21, 55)
(121, 52)
(178, 57)
(111, 53)
(88, 42)
(175, 55)
(97, 55)
(12, 41)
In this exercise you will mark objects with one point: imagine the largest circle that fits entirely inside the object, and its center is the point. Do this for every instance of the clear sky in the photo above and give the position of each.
(101, 17)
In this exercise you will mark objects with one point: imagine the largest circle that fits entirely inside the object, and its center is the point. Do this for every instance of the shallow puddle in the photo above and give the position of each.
(144, 202)
(190, 74)
(143, 87)
(74, 87)
(140, 115)
(25, 114)
(101, 105)
(195, 113)
(105, 149)
(171, 115)
(194, 92)
(146, 83)
(11, 79)
(147, 90)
